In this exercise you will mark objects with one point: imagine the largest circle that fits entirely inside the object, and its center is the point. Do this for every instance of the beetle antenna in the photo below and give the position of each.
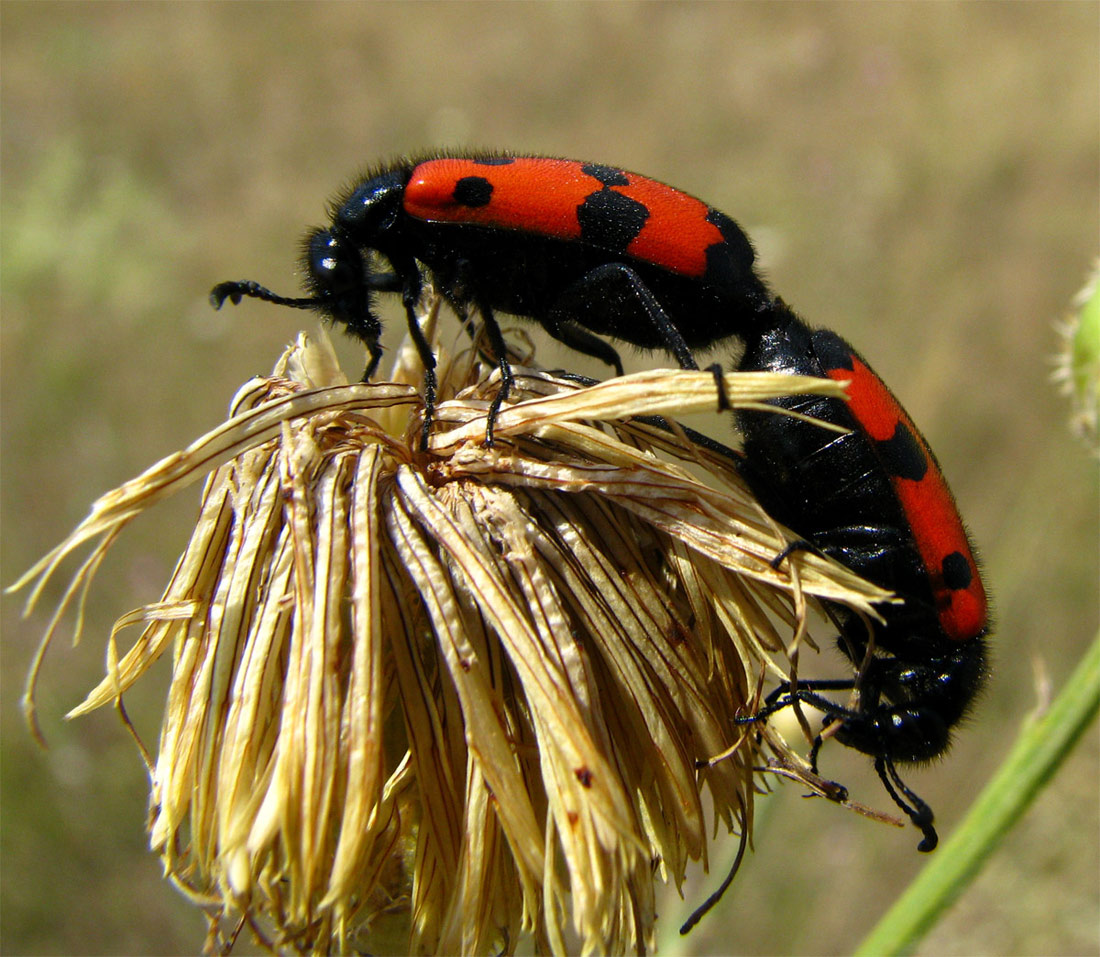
(236, 291)
(714, 898)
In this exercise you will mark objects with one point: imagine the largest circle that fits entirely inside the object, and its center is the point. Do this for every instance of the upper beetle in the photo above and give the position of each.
(874, 499)
(585, 250)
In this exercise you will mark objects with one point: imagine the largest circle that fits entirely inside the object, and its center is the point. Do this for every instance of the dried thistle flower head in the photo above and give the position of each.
(430, 701)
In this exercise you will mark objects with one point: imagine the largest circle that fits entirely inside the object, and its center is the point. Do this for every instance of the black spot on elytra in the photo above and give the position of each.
(611, 220)
(957, 573)
(473, 191)
(729, 261)
(607, 175)
(902, 454)
(832, 351)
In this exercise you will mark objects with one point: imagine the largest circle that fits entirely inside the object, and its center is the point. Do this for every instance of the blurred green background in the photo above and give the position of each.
(923, 178)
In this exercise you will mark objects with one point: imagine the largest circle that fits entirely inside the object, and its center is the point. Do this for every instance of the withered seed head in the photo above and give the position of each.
(430, 701)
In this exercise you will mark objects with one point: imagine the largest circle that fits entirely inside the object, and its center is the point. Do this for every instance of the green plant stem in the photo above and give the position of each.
(1040, 749)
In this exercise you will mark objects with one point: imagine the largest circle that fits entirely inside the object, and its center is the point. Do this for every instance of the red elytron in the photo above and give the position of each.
(925, 499)
(643, 219)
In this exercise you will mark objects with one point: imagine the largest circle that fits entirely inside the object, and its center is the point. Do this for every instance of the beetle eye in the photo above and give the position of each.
(330, 266)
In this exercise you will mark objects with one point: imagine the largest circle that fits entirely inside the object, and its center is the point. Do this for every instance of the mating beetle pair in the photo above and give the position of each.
(588, 251)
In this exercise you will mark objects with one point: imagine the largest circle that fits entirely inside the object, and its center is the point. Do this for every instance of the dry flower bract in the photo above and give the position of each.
(434, 700)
